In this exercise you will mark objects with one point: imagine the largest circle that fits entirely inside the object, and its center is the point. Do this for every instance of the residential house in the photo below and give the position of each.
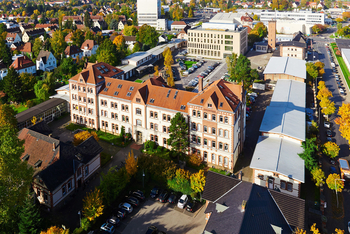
(285, 68)
(47, 27)
(68, 38)
(12, 38)
(101, 24)
(89, 47)
(32, 34)
(46, 61)
(26, 27)
(183, 33)
(238, 207)
(121, 25)
(162, 39)
(60, 168)
(276, 162)
(26, 49)
(73, 51)
(293, 49)
(24, 64)
(216, 115)
(3, 70)
(130, 41)
(76, 19)
(247, 20)
(178, 25)
(295, 4)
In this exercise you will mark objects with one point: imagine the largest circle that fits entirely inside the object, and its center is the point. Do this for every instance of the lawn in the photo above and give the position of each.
(189, 64)
(139, 81)
(19, 108)
(342, 65)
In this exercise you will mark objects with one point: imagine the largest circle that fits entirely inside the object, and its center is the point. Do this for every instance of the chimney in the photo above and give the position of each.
(53, 146)
(272, 34)
(200, 85)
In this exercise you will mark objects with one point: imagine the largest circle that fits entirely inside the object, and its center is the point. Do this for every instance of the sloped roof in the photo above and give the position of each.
(72, 17)
(68, 37)
(11, 35)
(26, 48)
(89, 44)
(130, 38)
(45, 25)
(22, 62)
(71, 50)
(35, 32)
(179, 23)
(44, 55)
(41, 127)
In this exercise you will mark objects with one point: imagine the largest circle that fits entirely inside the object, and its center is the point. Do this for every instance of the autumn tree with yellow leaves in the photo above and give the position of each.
(198, 181)
(168, 61)
(314, 230)
(55, 230)
(58, 43)
(328, 107)
(82, 136)
(119, 41)
(156, 71)
(344, 120)
(93, 205)
(131, 164)
(318, 176)
(334, 183)
(330, 149)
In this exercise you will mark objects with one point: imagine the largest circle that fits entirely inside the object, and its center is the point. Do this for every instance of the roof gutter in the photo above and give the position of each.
(280, 210)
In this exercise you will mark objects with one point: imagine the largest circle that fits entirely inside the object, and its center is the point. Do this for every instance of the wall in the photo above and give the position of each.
(292, 51)
(277, 181)
(275, 77)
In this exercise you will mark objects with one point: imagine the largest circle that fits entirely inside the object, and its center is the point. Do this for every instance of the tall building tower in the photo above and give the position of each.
(148, 12)
(271, 37)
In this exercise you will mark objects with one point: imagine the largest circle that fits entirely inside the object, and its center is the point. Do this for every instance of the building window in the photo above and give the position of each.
(226, 134)
(193, 113)
(213, 130)
(290, 187)
(194, 126)
(69, 185)
(226, 161)
(221, 119)
(164, 141)
(155, 127)
(205, 115)
(283, 185)
(205, 129)
(205, 142)
(87, 170)
(151, 114)
(213, 144)
(198, 114)
(138, 111)
(126, 108)
(156, 115)
(198, 140)
(205, 156)
(169, 118)
(226, 120)
(127, 119)
(138, 122)
(226, 147)
(213, 158)
(164, 129)
(220, 132)
(123, 108)
(220, 160)
(151, 125)
(156, 138)
(64, 190)
(164, 117)
(220, 146)
(213, 117)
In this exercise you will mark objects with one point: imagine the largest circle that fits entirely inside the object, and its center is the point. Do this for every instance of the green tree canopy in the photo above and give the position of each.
(239, 70)
(42, 90)
(13, 85)
(107, 52)
(147, 35)
(58, 43)
(130, 30)
(87, 20)
(29, 217)
(78, 37)
(309, 155)
(178, 138)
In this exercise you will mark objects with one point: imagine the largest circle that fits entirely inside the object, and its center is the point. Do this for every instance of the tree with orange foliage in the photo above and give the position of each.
(344, 121)
(55, 230)
(119, 41)
(82, 136)
(195, 160)
(131, 164)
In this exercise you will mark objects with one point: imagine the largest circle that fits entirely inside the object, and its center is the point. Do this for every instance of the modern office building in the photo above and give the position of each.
(307, 17)
(149, 12)
(215, 115)
(217, 40)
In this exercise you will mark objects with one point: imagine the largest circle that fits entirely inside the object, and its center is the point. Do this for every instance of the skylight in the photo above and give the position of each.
(221, 104)
(109, 84)
(106, 89)
(202, 100)
(183, 107)
(128, 94)
(116, 93)
(152, 100)
(168, 93)
(120, 86)
(131, 88)
(175, 94)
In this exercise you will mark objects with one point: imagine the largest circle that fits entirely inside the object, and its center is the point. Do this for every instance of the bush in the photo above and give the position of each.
(195, 160)
(150, 146)
(105, 158)
(222, 172)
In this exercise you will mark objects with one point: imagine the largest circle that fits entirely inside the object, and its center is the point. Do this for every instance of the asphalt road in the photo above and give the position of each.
(331, 84)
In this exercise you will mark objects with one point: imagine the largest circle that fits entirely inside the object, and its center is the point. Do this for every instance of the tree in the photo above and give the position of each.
(195, 159)
(344, 120)
(170, 78)
(309, 154)
(339, 20)
(239, 69)
(13, 85)
(15, 178)
(5, 53)
(190, 13)
(328, 107)
(41, 90)
(320, 68)
(68, 67)
(181, 182)
(136, 47)
(7, 116)
(339, 231)
(113, 24)
(168, 58)
(28, 82)
(130, 30)
(147, 35)
(107, 52)
(58, 43)
(311, 70)
(178, 138)
(324, 93)
(331, 149)
(87, 20)
(89, 35)
(83, 135)
(131, 164)
(55, 230)
(119, 41)
(318, 176)
(156, 71)
(314, 229)
(37, 46)
(256, 17)
(334, 182)
(93, 204)
(198, 181)
(29, 216)
(78, 37)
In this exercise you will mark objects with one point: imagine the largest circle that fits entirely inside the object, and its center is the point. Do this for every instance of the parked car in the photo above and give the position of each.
(163, 196)
(126, 206)
(121, 213)
(172, 198)
(329, 133)
(154, 192)
(114, 220)
(108, 227)
(341, 91)
(152, 230)
(133, 201)
(139, 195)
(337, 78)
(185, 73)
(332, 170)
(182, 201)
(176, 78)
(253, 94)
(190, 206)
(327, 124)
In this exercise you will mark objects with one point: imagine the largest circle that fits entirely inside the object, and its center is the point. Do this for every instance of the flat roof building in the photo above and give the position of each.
(285, 68)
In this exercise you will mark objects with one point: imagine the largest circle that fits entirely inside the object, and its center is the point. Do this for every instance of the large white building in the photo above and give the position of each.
(307, 17)
(149, 12)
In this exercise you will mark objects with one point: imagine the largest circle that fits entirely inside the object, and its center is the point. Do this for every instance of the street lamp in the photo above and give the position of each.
(79, 213)
(336, 192)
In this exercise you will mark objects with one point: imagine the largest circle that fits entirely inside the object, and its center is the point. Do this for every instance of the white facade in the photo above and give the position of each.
(11, 40)
(306, 17)
(148, 12)
(285, 26)
(346, 56)
(48, 65)
(3, 73)
(74, 56)
(31, 70)
(162, 24)
(87, 52)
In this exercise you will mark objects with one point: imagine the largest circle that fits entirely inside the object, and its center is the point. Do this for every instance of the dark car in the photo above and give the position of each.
(163, 196)
(139, 195)
(114, 220)
(332, 170)
(121, 213)
(133, 201)
(154, 192)
(190, 206)
(176, 78)
(172, 198)
(329, 133)
(152, 230)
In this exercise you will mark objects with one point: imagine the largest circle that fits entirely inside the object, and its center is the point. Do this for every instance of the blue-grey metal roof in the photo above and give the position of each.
(286, 65)
(346, 54)
(279, 155)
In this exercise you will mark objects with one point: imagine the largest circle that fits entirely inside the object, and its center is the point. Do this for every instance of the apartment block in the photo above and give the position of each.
(215, 115)
(217, 40)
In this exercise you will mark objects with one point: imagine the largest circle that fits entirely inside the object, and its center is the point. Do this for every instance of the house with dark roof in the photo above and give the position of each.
(89, 47)
(60, 168)
(76, 19)
(24, 64)
(234, 206)
(73, 51)
(46, 61)
(294, 49)
(27, 35)
(183, 33)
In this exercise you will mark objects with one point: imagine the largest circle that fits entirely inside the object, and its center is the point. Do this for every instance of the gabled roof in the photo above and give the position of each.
(45, 25)
(71, 50)
(293, 43)
(26, 48)
(129, 38)
(222, 94)
(261, 212)
(11, 35)
(286, 65)
(96, 17)
(27, 26)
(41, 127)
(88, 45)
(35, 32)
(22, 62)
(44, 55)
(72, 17)
(179, 23)
(68, 37)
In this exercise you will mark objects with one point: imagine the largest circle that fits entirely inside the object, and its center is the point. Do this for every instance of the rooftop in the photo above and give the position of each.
(286, 65)
(279, 155)
(135, 57)
(225, 18)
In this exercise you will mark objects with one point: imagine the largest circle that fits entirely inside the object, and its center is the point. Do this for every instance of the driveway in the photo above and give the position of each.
(166, 218)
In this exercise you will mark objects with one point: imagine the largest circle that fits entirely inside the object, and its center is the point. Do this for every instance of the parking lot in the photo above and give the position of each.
(166, 217)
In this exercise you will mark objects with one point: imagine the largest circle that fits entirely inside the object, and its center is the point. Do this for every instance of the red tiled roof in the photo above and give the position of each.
(22, 62)
(179, 23)
(88, 44)
(71, 50)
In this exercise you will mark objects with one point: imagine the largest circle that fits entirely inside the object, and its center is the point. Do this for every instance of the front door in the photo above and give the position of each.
(139, 137)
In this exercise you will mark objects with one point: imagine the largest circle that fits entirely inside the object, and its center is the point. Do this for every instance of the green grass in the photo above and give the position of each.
(19, 108)
(342, 65)
(189, 64)
(139, 81)
(222, 172)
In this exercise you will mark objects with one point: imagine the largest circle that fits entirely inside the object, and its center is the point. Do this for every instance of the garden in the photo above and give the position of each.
(189, 64)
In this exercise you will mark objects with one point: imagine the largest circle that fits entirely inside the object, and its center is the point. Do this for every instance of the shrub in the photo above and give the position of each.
(195, 160)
